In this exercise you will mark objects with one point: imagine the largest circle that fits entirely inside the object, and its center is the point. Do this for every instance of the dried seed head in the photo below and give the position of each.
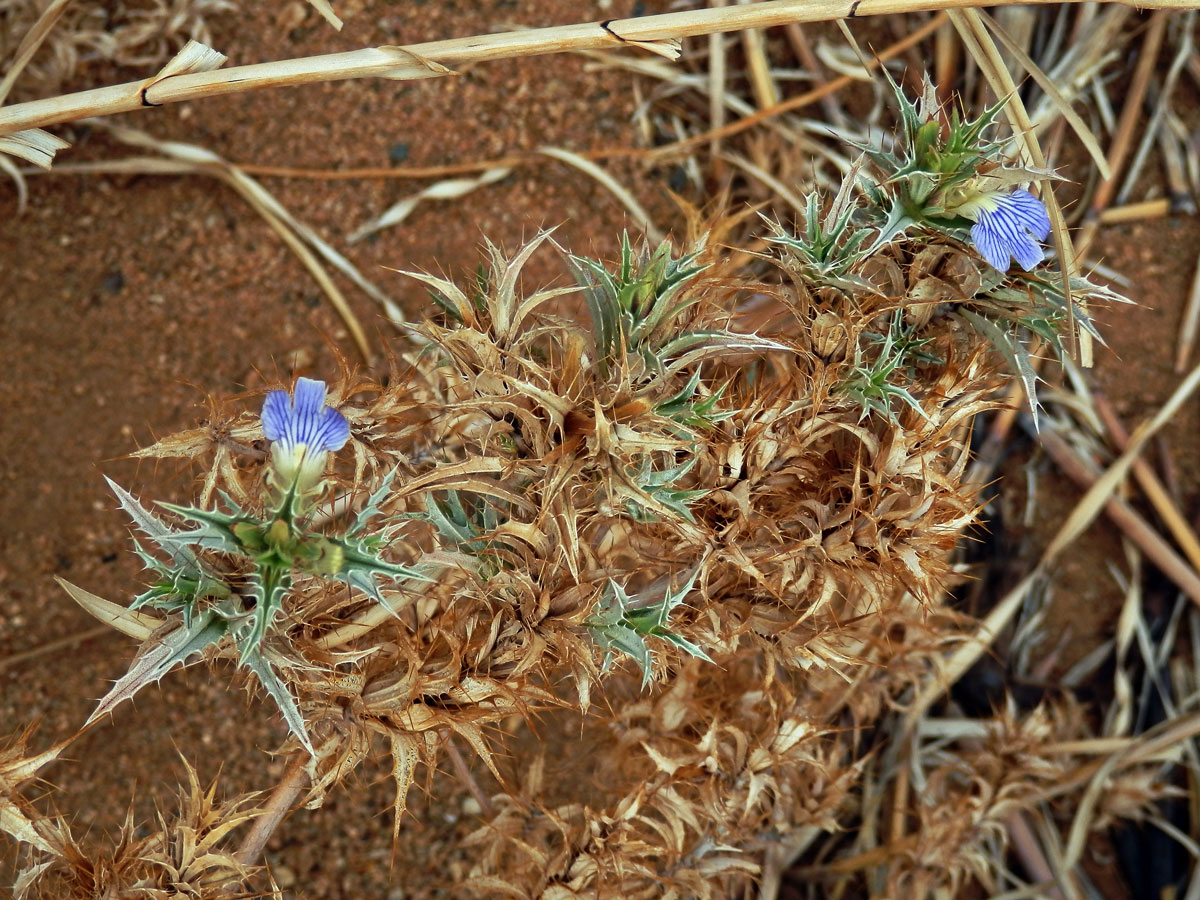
(828, 336)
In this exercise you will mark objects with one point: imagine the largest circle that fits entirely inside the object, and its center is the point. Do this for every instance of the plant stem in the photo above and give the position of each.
(435, 58)
(279, 804)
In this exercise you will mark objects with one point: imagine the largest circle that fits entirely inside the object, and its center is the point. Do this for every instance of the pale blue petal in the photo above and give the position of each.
(333, 431)
(989, 245)
(308, 400)
(275, 415)
(304, 420)
(1027, 252)
(1029, 210)
(1012, 229)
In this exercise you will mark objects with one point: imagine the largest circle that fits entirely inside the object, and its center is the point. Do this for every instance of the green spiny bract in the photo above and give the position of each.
(230, 574)
(828, 252)
(870, 383)
(636, 311)
(622, 623)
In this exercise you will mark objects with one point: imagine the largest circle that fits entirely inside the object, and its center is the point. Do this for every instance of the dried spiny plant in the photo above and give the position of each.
(664, 488)
(704, 519)
(186, 854)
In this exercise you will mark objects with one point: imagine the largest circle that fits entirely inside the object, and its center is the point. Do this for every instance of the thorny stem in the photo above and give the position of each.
(279, 804)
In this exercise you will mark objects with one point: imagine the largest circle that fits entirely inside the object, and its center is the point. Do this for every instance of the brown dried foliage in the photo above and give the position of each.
(819, 546)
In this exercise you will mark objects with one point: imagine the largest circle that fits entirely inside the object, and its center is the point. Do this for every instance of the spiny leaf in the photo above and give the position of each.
(1014, 353)
(269, 679)
(373, 506)
(153, 527)
(17, 825)
(152, 663)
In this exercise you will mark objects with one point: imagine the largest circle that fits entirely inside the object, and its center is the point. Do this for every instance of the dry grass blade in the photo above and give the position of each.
(326, 11)
(759, 67)
(33, 145)
(30, 44)
(716, 83)
(641, 218)
(1086, 137)
(1190, 325)
(1166, 739)
(1133, 212)
(9, 168)
(1154, 489)
(16, 659)
(1155, 129)
(188, 159)
(137, 625)
(1092, 503)
(776, 186)
(1123, 515)
(979, 43)
(685, 145)
(450, 189)
(430, 59)
(1127, 124)
(1084, 513)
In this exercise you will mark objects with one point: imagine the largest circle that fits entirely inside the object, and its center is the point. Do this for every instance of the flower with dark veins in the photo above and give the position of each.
(302, 430)
(1007, 226)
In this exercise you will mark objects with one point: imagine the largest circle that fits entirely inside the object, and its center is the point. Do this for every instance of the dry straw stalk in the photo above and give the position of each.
(658, 34)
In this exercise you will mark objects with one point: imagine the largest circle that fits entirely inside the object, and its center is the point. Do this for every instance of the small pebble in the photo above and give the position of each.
(285, 877)
(113, 282)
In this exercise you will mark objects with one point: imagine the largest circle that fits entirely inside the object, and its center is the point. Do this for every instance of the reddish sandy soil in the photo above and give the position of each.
(126, 301)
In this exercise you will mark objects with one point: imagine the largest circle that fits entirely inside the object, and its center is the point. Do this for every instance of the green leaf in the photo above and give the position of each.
(283, 698)
(374, 504)
(1014, 352)
(153, 662)
(163, 536)
(215, 528)
(268, 586)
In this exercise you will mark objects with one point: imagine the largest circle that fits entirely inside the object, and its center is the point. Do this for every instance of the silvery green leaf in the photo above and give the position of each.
(627, 641)
(153, 662)
(214, 531)
(1014, 353)
(152, 526)
(283, 698)
(600, 291)
(372, 508)
(685, 645)
(268, 586)
(361, 567)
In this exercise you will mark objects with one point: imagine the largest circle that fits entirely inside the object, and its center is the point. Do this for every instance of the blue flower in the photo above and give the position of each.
(1008, 225)
(302, 430)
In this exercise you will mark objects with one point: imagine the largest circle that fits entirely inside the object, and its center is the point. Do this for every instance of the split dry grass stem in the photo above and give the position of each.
(659, 34)
(826, 90)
